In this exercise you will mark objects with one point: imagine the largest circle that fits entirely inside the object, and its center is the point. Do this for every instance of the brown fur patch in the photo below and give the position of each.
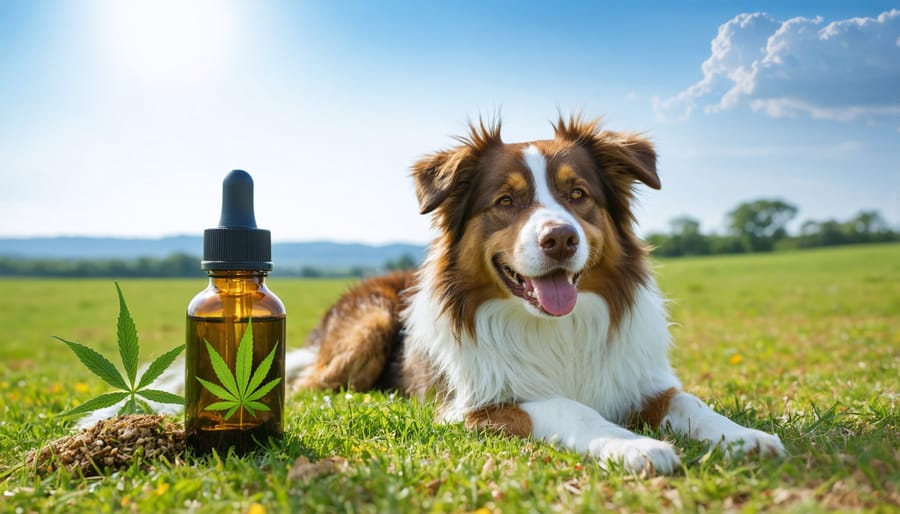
(508, 418)
(516, 182)
(653, 409)
(358, 337)
(566, 173)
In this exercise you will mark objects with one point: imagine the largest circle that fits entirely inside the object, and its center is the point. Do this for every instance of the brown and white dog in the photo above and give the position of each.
(536, 312)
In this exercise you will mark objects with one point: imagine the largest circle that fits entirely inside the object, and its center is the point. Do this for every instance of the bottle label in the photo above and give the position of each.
(241, 390)
(234, 381)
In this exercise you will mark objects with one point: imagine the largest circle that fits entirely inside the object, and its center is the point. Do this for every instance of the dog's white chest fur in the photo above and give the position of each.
(519, 357)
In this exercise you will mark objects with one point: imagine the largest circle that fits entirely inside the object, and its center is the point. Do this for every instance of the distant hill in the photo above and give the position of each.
(342, 255)
(324, 255)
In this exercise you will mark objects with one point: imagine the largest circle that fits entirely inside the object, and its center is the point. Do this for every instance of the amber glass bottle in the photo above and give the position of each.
(234, 370)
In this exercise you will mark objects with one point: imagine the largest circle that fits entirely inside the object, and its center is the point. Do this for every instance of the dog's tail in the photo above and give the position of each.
(358, 343)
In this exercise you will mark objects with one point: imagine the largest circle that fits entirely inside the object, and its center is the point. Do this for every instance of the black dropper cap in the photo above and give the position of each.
(237, 244)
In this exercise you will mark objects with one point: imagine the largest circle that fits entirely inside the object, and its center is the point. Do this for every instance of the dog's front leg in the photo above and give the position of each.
(689, 416)
(580, 428)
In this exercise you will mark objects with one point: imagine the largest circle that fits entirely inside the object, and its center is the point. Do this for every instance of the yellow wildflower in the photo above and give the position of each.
(736, 359)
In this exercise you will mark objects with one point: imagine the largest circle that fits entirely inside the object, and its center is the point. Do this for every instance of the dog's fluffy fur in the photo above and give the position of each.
(535, 312)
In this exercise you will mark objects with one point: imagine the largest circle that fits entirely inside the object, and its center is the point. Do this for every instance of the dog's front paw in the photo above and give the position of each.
(749, 441)
(637, 455)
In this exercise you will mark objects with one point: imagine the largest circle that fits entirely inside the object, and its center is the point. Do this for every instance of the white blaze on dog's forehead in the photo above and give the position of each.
(537, 165)
(529, 258)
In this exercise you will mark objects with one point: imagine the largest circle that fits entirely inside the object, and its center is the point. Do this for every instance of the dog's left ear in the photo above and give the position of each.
(627, 156)
(639, 157)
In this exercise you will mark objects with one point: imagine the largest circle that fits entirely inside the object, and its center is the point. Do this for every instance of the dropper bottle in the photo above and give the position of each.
(234, 370)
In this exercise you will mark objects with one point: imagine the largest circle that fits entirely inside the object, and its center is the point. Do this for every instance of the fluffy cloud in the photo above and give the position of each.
(846, 70)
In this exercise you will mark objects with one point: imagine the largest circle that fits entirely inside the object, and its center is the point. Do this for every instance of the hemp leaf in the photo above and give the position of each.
(242, 389)
(106, 370)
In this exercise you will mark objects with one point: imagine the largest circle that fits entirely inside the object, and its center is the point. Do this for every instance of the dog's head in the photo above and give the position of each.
(540, 221)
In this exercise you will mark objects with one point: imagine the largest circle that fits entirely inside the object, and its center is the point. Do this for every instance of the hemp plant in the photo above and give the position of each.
(244, 388)
(129, 386)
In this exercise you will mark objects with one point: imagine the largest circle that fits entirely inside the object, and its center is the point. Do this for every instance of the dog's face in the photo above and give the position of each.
(538, 221)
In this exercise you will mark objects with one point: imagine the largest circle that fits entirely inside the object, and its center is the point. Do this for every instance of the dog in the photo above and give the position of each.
(535, 312)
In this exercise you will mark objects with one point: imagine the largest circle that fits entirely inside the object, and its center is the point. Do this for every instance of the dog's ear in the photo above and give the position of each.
(442, 174)
(437, 175)
(628, 156)
(639, 157)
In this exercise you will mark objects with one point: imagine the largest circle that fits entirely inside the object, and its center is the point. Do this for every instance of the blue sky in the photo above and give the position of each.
(122, 118)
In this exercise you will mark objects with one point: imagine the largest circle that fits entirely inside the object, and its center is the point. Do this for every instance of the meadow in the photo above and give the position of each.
(805, 344)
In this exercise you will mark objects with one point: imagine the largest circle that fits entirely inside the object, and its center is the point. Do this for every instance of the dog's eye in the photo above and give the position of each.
(577, 194)
(504, 201)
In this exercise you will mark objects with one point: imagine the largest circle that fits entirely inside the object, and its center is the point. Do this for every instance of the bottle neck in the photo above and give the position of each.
(237, 281)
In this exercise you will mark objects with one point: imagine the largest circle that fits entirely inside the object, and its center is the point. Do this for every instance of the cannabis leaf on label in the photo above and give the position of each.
(132, 388)
(243, 389)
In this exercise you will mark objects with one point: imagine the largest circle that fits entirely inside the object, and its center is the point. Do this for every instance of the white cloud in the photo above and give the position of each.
(846, 70)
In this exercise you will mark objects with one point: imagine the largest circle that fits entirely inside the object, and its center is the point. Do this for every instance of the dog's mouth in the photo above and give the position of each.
(554, 293)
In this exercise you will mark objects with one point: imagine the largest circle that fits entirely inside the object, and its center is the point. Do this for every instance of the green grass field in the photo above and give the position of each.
(806, 344)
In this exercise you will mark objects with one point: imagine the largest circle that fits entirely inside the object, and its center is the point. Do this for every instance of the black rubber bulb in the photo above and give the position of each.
(237, 201)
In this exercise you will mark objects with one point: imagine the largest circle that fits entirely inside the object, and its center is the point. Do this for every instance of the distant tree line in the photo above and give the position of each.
(175, 266)
(761, 226)
(405, 262)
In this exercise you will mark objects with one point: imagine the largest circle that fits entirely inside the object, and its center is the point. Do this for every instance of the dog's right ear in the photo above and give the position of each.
(437, 175)
(440, 175)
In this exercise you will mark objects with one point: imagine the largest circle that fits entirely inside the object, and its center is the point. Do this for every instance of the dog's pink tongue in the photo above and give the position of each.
(555, 293)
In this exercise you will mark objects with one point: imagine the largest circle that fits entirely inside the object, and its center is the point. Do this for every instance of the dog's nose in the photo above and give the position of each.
(559, 241)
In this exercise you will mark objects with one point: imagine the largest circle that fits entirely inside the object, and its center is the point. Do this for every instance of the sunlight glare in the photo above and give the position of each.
(172, 42)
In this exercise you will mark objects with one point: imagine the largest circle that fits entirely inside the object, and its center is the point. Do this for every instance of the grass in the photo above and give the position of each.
(806, 344)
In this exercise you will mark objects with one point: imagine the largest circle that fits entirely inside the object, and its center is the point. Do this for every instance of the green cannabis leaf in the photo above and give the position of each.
(242, 389)
(106, 370)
